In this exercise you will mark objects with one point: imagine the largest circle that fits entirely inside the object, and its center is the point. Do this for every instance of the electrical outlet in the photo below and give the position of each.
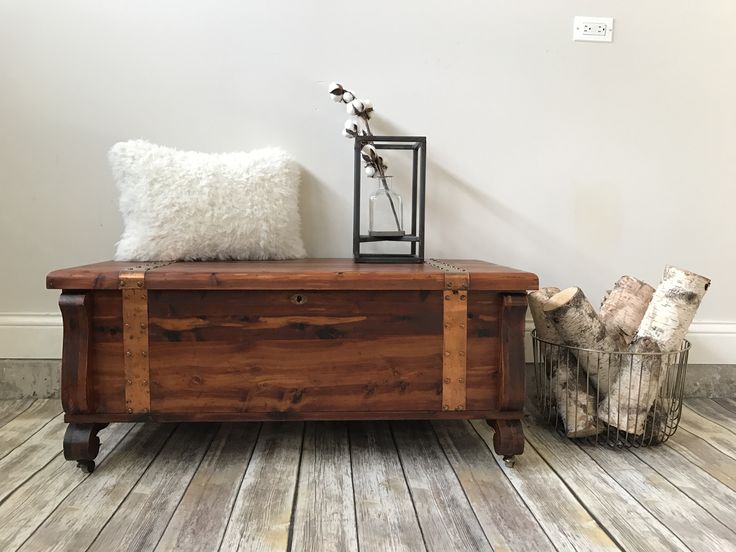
(592, 29)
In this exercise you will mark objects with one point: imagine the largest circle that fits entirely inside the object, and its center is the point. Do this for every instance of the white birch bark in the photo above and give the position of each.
(624, 306)
(665, 324)
(573, 394)
(579, 325)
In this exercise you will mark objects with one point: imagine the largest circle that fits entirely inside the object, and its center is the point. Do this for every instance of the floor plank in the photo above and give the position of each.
(715, 412)
(79, 518)
(628, 522)
(384, 510)
(324, 517)
(705, 456)
(22, 427)
(445, 515)
(684, 517)
(506, 520)
(32, 455)
(564, 519)
(715, 434)
(262, 512)
(143, 516)
(728, 404)
(29, 505)
(696, 483)
(201, 518)
(11, 408)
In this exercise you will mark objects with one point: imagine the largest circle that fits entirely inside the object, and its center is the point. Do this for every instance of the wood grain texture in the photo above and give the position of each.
(76, 391)
(23, 426)
(201, 517)
(633, 527)
(512, 387)
(11, 409)
(690, 522)
(507, 522)
(706, 490)
(713, 411)
(297, 274)
(26, 459)
(141, 519)
(724, 441)
(563, 518)
(135, 344)
(261, 516)
(77, 521)
(445, 516)
(384, 510)
(324, 516)
(701, 453)
(21, 513)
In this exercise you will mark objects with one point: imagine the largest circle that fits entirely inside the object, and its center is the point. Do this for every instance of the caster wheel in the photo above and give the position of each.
(86, 465)
(509, 461)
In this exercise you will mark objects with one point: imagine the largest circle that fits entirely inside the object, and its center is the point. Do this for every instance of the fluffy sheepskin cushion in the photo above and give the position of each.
(179, 205)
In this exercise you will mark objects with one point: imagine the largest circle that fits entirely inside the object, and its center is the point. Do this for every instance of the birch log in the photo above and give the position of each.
(624, 306)
(573, 394)
(665, 324)
(579, 325)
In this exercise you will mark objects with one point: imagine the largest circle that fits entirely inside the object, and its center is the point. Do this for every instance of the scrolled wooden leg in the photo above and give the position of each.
(508, 438)
(82, 444)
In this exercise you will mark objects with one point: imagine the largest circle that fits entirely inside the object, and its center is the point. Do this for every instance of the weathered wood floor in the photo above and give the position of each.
(363, 486)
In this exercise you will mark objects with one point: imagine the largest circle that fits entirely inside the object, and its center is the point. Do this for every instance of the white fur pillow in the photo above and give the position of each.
(180, 205)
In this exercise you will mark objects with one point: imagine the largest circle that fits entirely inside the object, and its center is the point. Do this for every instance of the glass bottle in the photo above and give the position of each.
(386, 219)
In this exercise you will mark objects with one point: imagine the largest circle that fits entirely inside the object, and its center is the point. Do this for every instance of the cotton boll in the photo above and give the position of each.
(367, 105)
(369, 153)
(355, 107)
(347, 97)
(335, 88)
(337, 99)
(346, 133)
(370, 170)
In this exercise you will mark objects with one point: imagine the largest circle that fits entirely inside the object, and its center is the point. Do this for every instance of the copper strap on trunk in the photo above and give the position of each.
(135, 337)
(455, 340)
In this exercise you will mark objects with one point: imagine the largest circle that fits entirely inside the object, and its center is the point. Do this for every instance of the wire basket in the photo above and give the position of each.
(619, 399)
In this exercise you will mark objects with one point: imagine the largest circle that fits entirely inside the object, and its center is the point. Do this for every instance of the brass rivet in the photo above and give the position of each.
(447, 297)
(143, 296)
(128, 354)
(447, 353)
(130, 382)
(462, 325)
(445, 407)
(122, 283)
(139, 284)
(447, 380)
(459, 407)
(145, 382)
(462, 353)
(144, 353)
(461, 380)
(127, 325)
(447, 325)
(462, 297)
(143, 326)
(130, 410)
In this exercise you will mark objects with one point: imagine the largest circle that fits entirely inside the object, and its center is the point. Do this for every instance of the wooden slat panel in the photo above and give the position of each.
(446, 518)
(385, 514)
(512, 392)
(391, 373)
(692, 524)
(23, 426)
(324, 516)
(482, 368)
(80, 517)
(31, 456)
(557, 510)
(29, 505)
(12, 408)
(107, 355)
(633, 527)
(201, 518)
(261, 516)
(297, 274)
(506, 520)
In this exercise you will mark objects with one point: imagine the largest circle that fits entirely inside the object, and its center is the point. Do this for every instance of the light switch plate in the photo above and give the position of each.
(592, 29)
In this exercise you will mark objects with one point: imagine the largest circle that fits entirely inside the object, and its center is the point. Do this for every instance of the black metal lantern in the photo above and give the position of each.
(414, 239)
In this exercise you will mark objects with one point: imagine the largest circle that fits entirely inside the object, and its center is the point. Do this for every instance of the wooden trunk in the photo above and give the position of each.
(316, 339)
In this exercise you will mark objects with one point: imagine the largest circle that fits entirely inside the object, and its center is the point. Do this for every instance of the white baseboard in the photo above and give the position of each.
(38, 335)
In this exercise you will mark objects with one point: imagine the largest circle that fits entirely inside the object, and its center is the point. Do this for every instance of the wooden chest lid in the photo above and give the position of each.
(298, 275)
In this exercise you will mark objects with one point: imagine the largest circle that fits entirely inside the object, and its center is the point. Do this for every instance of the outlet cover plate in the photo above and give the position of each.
(592, 29)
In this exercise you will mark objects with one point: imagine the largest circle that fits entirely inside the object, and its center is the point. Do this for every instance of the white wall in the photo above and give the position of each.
(578, 161)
